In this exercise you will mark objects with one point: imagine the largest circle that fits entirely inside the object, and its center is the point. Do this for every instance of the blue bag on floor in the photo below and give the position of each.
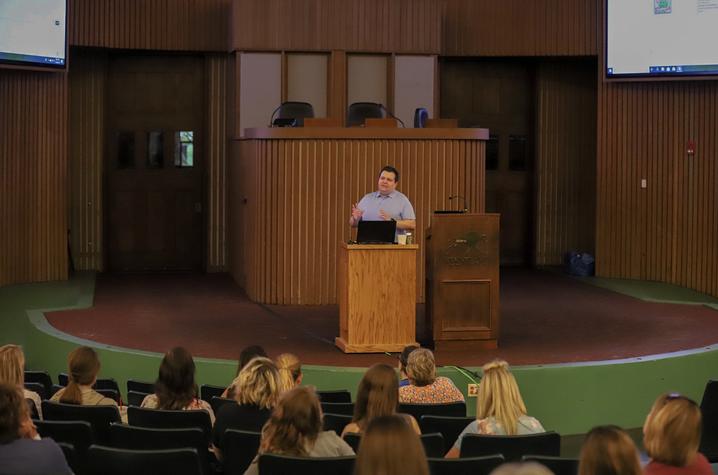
(580, 264)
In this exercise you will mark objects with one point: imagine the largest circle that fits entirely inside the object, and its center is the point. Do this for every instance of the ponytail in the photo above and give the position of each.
(290, 370)
(83, 366)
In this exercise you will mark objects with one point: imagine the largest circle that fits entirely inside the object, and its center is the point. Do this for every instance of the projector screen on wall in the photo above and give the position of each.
(33, 33)
(661, 38)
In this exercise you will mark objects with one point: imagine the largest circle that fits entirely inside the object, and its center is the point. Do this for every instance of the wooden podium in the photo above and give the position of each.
(376, 285)
(462, 281)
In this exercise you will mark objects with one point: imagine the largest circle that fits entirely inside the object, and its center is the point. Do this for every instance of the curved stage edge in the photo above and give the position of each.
(568, 398)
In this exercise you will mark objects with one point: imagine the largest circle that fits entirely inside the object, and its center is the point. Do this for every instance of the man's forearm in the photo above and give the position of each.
(409, 224)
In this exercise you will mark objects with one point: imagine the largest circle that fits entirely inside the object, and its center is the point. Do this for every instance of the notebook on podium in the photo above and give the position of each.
(376, 232)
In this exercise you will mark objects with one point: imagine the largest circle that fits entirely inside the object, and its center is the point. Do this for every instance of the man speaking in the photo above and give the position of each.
(386, 203)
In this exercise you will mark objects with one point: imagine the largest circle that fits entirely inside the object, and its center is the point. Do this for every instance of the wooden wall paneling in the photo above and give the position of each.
(187, 25)
(33, 174)
(87, 79)
(337, 89)
(218, 69)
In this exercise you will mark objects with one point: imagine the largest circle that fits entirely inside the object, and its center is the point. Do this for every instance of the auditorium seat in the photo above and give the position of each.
(341, 395)
(346, 408)
(512, 447)
(208, 391)
(101, 383)
(76, 434)
(41, 377)
(140, 386)
(110, 461)
(465, 465)
(433, 443)
(449, 427)
(135, 398)
(239, 449)
(39, 389)
(68, 450)
(709, 412)
(452, 409)
(99, 417)
(164, 419)
(218, 402)
(271, 464)
(110, 394)
(336, 422)
(558, 465)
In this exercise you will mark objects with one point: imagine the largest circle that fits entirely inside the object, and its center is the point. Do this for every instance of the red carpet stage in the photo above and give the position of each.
(545, 318)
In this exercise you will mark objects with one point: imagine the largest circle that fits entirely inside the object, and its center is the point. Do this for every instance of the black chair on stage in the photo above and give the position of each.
(465, 465)
(239, 448)
(346, 408)
(336, 422)
(452, 409)
(358, 112)
(558, 465)
(341, 395)
(512, 447)
(449, 427)
(295, 110)
(110, 461)
(99, 417)
(271, 464)
(164, 419)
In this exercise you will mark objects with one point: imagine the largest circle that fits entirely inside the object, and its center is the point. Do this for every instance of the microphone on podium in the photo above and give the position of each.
(462, 198)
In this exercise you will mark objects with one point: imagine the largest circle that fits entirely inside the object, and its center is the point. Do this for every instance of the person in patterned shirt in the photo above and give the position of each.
(425, 387)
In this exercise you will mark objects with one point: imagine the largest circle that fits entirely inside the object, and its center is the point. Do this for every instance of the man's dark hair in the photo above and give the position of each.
(404, 357)
(393, 170)
(248, 354)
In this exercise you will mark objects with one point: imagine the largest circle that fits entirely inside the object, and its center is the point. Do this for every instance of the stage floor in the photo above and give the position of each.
(546, 318)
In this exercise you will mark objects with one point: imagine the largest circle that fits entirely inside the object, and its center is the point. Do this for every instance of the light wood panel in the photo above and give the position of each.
(667, 231)
(400, 26)
(520, 28)
(87, 149)
(291, 203)
(565, 160)
(218, 68)
(33, 173)
(182, 25)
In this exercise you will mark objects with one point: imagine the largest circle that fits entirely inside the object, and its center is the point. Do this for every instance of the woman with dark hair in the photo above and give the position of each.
(403, 362)
(175, 388)
(377, 395)
(295, 428)
(608, 450)
(22, 452)
(245, 356)
(390, 447)
(83, 367)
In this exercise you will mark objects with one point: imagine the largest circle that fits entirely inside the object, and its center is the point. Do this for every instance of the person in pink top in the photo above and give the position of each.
(671, 435)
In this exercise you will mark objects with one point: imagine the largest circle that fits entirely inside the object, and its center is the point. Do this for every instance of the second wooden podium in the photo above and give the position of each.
(376, 287)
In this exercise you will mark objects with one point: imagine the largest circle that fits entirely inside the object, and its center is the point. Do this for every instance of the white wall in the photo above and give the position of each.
(413, 86)
(260, 88)
(307, 80)
(367, 78)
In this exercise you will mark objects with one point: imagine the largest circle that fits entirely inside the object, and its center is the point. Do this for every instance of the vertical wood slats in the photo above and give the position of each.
(669, 230)
(565, 161)
(299, 195)
(33, 170)
(217, 72)
(185, 25)
(86, 152)
(520, 28)
(390, 26)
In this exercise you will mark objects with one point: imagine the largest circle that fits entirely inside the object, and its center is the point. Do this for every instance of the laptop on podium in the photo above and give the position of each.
(376, 232)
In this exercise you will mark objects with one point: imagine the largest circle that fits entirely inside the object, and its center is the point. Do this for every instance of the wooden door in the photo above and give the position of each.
(154, 191)
(499, 95)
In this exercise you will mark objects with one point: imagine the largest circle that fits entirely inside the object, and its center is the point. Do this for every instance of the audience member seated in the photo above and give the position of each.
(671, 435)
(390, 446)
(175, 388)
(425, 387)
(22, 452)
(245, 356)
(290, 371)
(12, 372)
(608, 450)
(295, 428)
(500, 410)
(257, 391)
(403, 358)
(524, 468)
(377, 395)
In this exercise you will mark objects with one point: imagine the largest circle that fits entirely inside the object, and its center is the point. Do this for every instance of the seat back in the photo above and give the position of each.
(239, 447)
(71, 457)
(111, 461)
(296, 110)
(341, 395)
(34, 414)
(271, 464)
(451, 409)
(41, 377)
(78, 434)
(99, 417)
(336, 422)
(358, 112)
(512, 447)
(346, 408)
(101, 383)
(218, 402)
(558, 465)
(709, 412)
(39, 389)
(164, 419)
(141, 438)
(140, 386)
(353, 440)
(433, 443)
(465, 465)
(208, 391)
(449, 427)
(135, 398)
(110, 394)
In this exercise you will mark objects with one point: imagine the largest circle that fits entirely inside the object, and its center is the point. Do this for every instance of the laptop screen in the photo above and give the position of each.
(376, 232)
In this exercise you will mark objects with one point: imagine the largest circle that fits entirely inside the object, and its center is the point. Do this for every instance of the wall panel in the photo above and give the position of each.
(184, 25)
(33, 172)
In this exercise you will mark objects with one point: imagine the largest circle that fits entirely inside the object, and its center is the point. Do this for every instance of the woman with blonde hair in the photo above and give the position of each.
(175, 388)
(500, 410)
(671, 436)
(390, 446)
(83, 365)
(257, 391)
(12, 371)
(425, 387)
(377, 395)
(295, 428)
(290, 371)
(608, 450)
